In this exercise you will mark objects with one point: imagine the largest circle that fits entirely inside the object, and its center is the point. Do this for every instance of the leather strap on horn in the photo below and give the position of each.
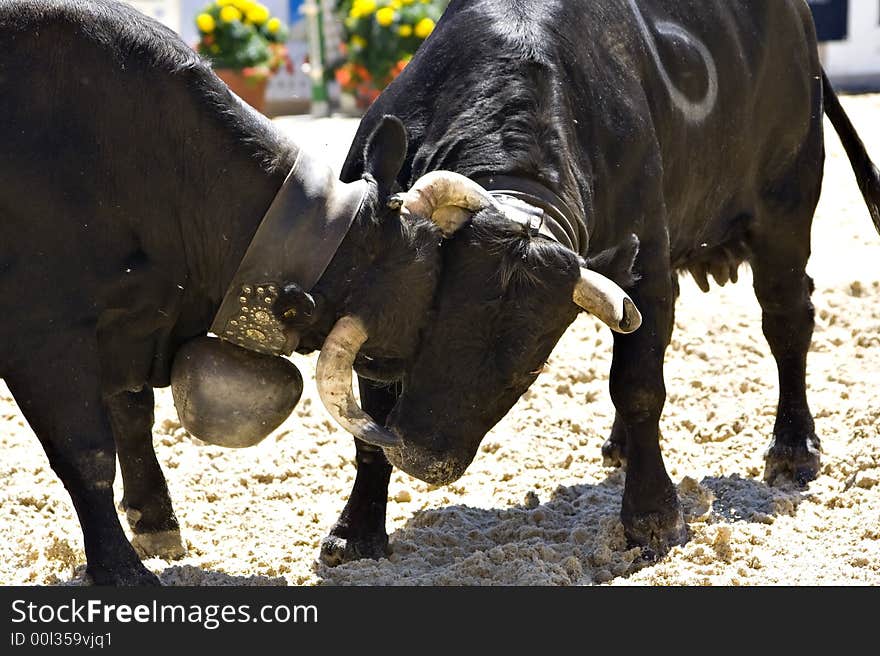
(446, 197)
(543, 212)
(558, 221)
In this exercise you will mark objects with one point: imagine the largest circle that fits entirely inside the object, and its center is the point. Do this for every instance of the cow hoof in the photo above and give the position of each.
(337, 550)
(613, 454)
(161, 544)
(165, 543)
(133, 575)
(656, 532)
(792, 463)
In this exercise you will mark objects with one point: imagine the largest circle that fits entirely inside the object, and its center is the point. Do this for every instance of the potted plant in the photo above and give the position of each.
(379, 39)
(245, 45)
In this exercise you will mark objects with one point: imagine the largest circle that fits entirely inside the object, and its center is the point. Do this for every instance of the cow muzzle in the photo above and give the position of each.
(427, 465)
(230, 396)
(432, 450)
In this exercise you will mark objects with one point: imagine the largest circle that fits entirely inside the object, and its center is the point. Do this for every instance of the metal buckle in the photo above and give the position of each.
(529, 218)
(254, 326)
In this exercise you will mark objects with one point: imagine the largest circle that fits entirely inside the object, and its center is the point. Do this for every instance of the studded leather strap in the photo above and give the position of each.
(295, 242)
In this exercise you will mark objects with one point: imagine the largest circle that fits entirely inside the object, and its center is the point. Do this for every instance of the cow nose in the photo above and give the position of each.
(432, 471)
(426, 464)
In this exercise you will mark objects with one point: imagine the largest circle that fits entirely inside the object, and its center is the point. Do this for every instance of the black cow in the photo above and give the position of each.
(132, 183)
(642, 138)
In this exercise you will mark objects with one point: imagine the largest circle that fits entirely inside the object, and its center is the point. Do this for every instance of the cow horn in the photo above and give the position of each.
(447, 198)
(333, 378)
(602, 298)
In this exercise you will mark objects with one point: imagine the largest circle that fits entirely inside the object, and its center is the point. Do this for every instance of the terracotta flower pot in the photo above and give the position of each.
(251, 90)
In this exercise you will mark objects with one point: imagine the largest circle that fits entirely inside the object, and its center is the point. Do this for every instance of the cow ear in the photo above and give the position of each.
(386, 152)
(618, 263)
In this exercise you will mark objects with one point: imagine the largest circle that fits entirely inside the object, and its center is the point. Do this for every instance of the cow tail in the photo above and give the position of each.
(867, 175)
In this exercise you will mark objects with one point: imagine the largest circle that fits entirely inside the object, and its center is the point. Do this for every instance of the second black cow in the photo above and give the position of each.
(636, 138)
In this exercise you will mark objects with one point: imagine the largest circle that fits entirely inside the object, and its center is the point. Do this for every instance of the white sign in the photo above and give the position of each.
(164, 11)
(859, 55)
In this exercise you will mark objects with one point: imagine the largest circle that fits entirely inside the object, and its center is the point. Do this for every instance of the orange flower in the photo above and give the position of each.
(255, 73)
(399, 66)
(368, 93)
(343, 76)
(362, 72)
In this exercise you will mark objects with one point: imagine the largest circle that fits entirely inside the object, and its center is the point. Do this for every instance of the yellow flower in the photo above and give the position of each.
(385, 16)
(424, 28)
(258, 14)
(273, 25)
(395, 4)
(244, 6)
(205, 23)
(364, 7)
(225, 3)
(405, 31)
(230, 14)
(358, 41)
(408, 2)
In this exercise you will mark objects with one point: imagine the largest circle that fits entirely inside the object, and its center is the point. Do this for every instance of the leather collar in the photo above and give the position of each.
(545, 210)
(294, 243)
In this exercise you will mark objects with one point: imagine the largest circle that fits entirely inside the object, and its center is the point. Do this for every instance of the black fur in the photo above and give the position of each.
(568, 93)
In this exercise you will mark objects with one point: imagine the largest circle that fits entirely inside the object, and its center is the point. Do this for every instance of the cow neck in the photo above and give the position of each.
(294, 243)
(547, 213)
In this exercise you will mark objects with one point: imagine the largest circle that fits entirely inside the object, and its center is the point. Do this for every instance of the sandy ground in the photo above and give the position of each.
(536, 506)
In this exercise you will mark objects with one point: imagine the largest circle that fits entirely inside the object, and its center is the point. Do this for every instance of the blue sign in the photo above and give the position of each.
(832, 18)
(294, 11)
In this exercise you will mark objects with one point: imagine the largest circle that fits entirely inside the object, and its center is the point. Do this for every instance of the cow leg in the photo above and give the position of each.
(783, 289)
(651, 513)
(360, 530)
(145, 500)
(60, 396)
(614, 448)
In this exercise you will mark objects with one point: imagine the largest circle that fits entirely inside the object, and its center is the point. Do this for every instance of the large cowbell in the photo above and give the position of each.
(235, 390)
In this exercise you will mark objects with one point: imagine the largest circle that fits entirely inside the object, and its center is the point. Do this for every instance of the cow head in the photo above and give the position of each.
(370, 307)
(383, 275)
(503, 301)
(379, 282)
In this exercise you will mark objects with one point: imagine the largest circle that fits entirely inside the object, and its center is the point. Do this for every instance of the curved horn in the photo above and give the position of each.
(601, 297)
(447, 198)
(333, 378)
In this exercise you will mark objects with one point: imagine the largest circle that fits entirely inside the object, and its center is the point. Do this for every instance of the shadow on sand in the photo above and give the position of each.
(191, 575)
(738, 499)
(574, 538)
